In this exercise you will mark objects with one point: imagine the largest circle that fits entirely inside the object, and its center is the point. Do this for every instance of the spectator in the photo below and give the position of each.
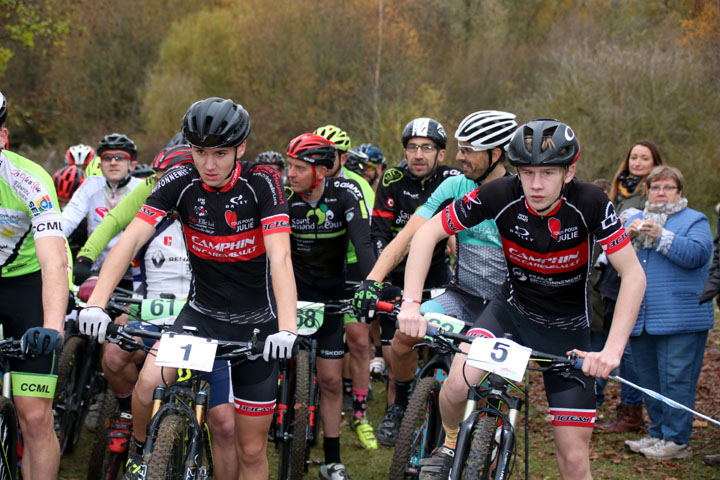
(629, 193)
(674, 246)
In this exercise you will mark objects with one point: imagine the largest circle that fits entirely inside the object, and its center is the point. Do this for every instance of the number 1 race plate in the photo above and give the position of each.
(501, 356)
(186, 351)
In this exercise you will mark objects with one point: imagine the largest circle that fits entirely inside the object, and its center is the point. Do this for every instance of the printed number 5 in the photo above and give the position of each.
(499, 353)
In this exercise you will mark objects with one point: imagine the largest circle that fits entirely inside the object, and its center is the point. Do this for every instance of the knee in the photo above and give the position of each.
(330, 384)
(455, 389)
(358, 338)
(36, 419)
(574, 463)
(114, 359)
(251, 452)
(402, 344)
(222, 423)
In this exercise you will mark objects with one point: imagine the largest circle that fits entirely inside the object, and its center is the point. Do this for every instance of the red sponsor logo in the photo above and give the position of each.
(276, 224)
(231, 219)
(547, 263)
(101, 211)
(167, 241)
(573, 418)
(232, 248)
(471, 197)
(150, 215)
(480, 332)
(390, 202)
(554, 227)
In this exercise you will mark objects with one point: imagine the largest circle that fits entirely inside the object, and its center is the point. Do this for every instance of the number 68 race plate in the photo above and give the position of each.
(186, 351)
(501, 356)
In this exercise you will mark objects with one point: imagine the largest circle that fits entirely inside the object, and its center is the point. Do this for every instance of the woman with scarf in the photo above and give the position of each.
(628, 192)
(674, 246)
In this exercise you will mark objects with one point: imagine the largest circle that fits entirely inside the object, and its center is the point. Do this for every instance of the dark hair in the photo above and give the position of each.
(625, 166)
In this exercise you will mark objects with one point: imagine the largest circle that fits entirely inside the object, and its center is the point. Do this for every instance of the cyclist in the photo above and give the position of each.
(548, 222)
(142, 170)
(401, 192)
(67, 180)
(99, 194)
(273, 160)
(357, 161)
(324, 214)
(79, 155)
(33, 294)
(236, 227)
(480, 268)
(376, 164)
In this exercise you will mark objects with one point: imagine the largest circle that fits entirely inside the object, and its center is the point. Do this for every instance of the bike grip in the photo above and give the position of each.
(579, 363)
(432, 330)
(384, 306)
(112, 329)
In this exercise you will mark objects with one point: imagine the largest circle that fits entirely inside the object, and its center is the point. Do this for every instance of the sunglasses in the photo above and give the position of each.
(118, 157)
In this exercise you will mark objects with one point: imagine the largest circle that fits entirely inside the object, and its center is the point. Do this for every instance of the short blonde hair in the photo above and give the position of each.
(664, 172)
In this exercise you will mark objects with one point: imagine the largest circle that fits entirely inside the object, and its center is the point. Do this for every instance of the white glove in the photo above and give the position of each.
(279, 345)
(94, 321)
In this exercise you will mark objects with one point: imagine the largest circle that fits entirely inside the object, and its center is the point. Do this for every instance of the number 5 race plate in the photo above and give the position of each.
(186, 351)
(499, 355)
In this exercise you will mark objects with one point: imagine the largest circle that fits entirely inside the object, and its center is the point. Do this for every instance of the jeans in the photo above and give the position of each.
(628, 394)
(670, 365)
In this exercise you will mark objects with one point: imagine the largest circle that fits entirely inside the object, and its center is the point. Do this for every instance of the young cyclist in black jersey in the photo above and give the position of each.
(34, 288)
(325, 213)
(235, 221)
(548, 222)
(401, 191)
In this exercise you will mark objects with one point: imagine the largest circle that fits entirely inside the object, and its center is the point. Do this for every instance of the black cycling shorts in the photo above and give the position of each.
(21, 301)
(331, 344)
(572, 402)
(254, 383)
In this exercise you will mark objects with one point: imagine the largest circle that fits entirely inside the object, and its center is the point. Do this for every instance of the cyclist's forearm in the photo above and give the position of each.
(283, 280)
(53, 262)
(420, 255)
(396, 251)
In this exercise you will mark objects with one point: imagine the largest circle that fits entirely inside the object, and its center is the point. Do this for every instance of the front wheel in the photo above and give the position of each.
(104, 464)
(168, 456)
(483, 449)
(420, 431)
(68, 421)
(299, 444)
(8, 440)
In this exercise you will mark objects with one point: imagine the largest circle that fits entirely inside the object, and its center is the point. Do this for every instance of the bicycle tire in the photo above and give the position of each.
(66, 420)
(167, 459)
(8, 440)
(480, 458)
(298, 441)
(419, 431)
(104, 464)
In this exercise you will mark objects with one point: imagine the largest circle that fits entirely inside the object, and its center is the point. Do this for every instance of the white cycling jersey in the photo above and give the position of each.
(94, 199)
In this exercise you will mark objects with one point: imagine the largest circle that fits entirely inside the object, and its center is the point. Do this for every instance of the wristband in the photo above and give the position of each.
(410, 300)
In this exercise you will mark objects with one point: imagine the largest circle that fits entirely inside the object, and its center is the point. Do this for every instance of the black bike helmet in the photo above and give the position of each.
(3, 109)
(215, 123)
(142, 170)
(374, 154)
(309, 144)
(271, 158)
(177, 139)
(357, 160)
(425, 128)
(117, 141)
(562, 148)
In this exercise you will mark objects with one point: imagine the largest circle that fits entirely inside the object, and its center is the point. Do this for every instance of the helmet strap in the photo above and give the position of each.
(316, 182)
(490, 168)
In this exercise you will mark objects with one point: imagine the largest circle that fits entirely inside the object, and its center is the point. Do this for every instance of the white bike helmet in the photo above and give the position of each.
(487, 129)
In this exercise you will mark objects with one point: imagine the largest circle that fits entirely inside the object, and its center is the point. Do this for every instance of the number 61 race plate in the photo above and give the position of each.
(186, 351)
(501, 356)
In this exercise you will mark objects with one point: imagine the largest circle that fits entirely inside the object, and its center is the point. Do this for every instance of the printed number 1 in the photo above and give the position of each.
(187, 349)
(503, 353)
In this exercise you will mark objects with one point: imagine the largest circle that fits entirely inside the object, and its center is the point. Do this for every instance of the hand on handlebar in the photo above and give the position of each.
(40, 341)
(365, 299)
(279, 345)
(93, 321)
(411, 322)
(598, 364)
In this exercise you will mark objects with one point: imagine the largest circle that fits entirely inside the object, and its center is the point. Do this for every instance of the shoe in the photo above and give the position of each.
(664, 450)
(637, 445)
(712, 460)
(438, 465)
(378, 368)
(91, 419)
(388, 429)
(135, 468)
(628, 418)
(119, 432)
(365, 433)
(333, 471)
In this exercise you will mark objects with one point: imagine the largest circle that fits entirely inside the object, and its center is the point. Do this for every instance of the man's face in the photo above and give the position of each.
(300, 174)
(423, 156)
(116, 165)
(542, 185)
(474, 163)
(372, 171)
(3, 137)
(215, 164)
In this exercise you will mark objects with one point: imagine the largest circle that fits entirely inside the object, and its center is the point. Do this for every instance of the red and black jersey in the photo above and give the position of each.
(224, 230)
(548, 256)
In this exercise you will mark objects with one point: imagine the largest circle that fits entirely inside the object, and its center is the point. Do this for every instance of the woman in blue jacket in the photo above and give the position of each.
(674, 246)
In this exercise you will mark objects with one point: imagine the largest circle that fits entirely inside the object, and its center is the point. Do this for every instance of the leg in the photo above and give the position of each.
(572, 445)
(646, 366)
(251, 446)
(358, 339)
(330, 383)
(221, 420)
(41, 456)
(120, 367)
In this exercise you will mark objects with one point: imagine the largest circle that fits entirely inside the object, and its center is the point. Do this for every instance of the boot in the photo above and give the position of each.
(628, 418)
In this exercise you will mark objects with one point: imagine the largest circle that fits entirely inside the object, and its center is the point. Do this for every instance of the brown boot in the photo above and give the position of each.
(628, 418)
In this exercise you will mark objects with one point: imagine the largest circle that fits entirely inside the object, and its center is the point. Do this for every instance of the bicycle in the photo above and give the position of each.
(487, 440)
(178, 438)
(10, 438)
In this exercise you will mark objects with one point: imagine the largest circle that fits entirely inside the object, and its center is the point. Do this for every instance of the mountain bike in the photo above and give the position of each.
(10, 440)
(178, 438)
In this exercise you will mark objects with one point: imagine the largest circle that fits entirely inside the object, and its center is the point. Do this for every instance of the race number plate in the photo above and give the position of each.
(309, 317)
(186, 351)
(159, 310)
(501, 356)
(446, 322)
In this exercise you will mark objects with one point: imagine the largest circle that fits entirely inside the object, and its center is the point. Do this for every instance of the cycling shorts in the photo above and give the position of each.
(253, 383)
(218, 379)
(571, 401)
(456, 304)
(22, 309)
(331, 344)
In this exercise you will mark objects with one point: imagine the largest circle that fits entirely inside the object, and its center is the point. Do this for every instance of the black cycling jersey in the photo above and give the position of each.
(548, 256)
(224, 229)
(321, 230)
(398, 196)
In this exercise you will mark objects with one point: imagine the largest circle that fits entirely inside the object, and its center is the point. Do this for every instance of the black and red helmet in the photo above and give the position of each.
(313, 149)
(3, 109)
(172, 156)
(525, 149)
(67, 180)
